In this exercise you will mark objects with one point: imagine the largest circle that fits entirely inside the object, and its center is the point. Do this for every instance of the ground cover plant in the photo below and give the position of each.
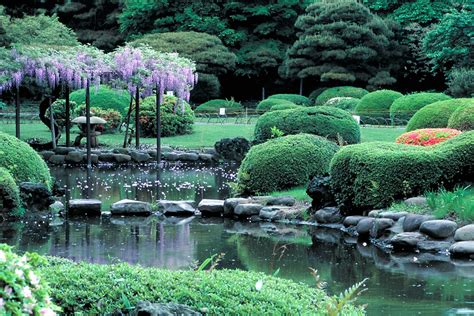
(427, 136)
(458, 203)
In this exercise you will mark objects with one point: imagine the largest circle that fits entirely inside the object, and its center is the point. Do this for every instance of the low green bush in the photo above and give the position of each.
(344, 103)
(314, 94)
(9, 195)
(93, 289)
(325, 121)
(104, 98)
(285, 162)
(23, 163)
(405, 107)
(436, 115)
(294, 98)
(173, 120)
(213, 106)
(463, 118)
(59, 111)
(375, 106)
(337, 92)
(267, 104)
(284, 106)
(373, 175)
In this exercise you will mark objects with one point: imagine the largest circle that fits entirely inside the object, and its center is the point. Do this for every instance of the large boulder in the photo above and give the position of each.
(248, 209)
(462, 249)
(438, 228)
(407, 240)
(319, 189)
(36, 197)
(380, 226)
(211, 207)
(465, 233)
(131, 207)
(413, 222)
(364, 226)
(328, 215)
(232, 148)
(231, 203)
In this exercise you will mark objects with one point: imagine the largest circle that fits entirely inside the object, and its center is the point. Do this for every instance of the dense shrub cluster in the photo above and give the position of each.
(59, 111)
(376, 105)
(373, 175)
(461, 83)
(94, 289)
(112, 117)
(325, 121)
(285, 162)
(9, 195)
(427, 136)
(22, 291)
(463, 118)
(23, 163)
(337, 92)
(344, 103)
(294, 98)
(436, 115)
(284, 106)
(406, 106)
(213, 106)
(267, 104)
(104, 98)
(173, 120)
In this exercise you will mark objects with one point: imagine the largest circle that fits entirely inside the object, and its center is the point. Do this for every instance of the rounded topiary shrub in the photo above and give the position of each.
(9, 195)
(436, 115)
(104, 98)
(285, 162)
(374, 107)
(335, 124)
(373, 175)
(344, 103)
(173, 120)
(284, 106)
(23, 163)
(405, 107)
(427, 136)
(337, 92)
(463, 118)
(267, 104)
(213, 106)
(294, 98)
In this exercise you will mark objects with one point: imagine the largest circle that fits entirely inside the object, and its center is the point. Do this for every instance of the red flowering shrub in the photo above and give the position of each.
(427, 136)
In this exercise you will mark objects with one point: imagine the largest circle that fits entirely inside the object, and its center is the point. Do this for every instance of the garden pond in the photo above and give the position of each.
(398, 284)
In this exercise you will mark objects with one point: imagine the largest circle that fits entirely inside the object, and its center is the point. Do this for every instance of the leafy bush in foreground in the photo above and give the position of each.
(325, 121)
(99, 289)
(9, 195)
(406, 106)
(338, 92)
(427, 136)
(462, 118)
(373, 175)
(436, 115)
(285, 162)
(294, 98)
(376, 105)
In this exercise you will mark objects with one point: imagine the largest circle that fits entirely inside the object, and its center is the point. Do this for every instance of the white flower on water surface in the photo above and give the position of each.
(47, 312)
(258, 285)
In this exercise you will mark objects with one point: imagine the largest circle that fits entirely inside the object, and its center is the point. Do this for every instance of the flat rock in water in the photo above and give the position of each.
(248, 209)
(64, 150)
(188, 157)
(84, 207)
(46, 154)
(140, 157)
(328, 215)
(121, 158)
(282, 200)
(212, 207)
(439, 228)
(407, 240)
(170, 156)
(177, 208)
(463, 249)
(413, 222)
(464, 233)
(352, 220)
(231, 203)
(130, 207)
(433, 245)
(206, 157)
(273, 213)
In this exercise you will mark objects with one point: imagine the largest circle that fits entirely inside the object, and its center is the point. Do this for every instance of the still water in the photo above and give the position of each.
(399, 284)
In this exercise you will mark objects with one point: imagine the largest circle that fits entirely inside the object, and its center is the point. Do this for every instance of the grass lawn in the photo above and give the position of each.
(204, 135)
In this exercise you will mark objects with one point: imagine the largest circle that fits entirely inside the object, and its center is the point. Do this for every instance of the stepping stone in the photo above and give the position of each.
(57, 159)
(231, 203)
(177, 208)
(465, 233)
(438, 228)
(273, 213)
(248, 209)
(211, 207)
(130, 207)
(463, 249)
(140, 157)
(84, 207)
(121, 158)
(328, 215)
(74, 157)
(407, 240)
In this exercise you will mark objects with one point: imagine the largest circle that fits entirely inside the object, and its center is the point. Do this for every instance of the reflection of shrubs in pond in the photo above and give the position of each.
(373, 175)
(285, 162)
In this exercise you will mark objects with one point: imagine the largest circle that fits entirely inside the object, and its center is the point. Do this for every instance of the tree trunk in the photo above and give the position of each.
(137, 118)
(17, 113)
(88, 124)
(68, 117)
(158, 127)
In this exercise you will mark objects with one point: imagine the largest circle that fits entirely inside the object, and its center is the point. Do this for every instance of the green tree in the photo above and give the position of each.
(212, 58)
(343, 43)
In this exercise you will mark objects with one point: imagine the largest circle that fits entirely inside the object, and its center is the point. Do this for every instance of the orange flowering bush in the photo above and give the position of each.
(427, 136)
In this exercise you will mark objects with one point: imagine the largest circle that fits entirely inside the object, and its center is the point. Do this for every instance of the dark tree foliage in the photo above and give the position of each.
(211, 56)
(343, 43)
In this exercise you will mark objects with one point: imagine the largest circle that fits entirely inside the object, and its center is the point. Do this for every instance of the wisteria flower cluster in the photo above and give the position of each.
(427, 136)
(22, 292)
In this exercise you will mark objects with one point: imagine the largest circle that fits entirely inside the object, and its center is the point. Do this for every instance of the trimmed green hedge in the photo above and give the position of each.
(436, 115)
(213, 106)
(405, 107)
(373, 175)
(267, 104)
(344, 103)
(284, 106)
(294, 98)
(285, 162)
(104, 98)
(325, 121)
(23, 163)
(337, 92)
(9, 195)
(94, 289)
(463, 118)
(376, 105)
